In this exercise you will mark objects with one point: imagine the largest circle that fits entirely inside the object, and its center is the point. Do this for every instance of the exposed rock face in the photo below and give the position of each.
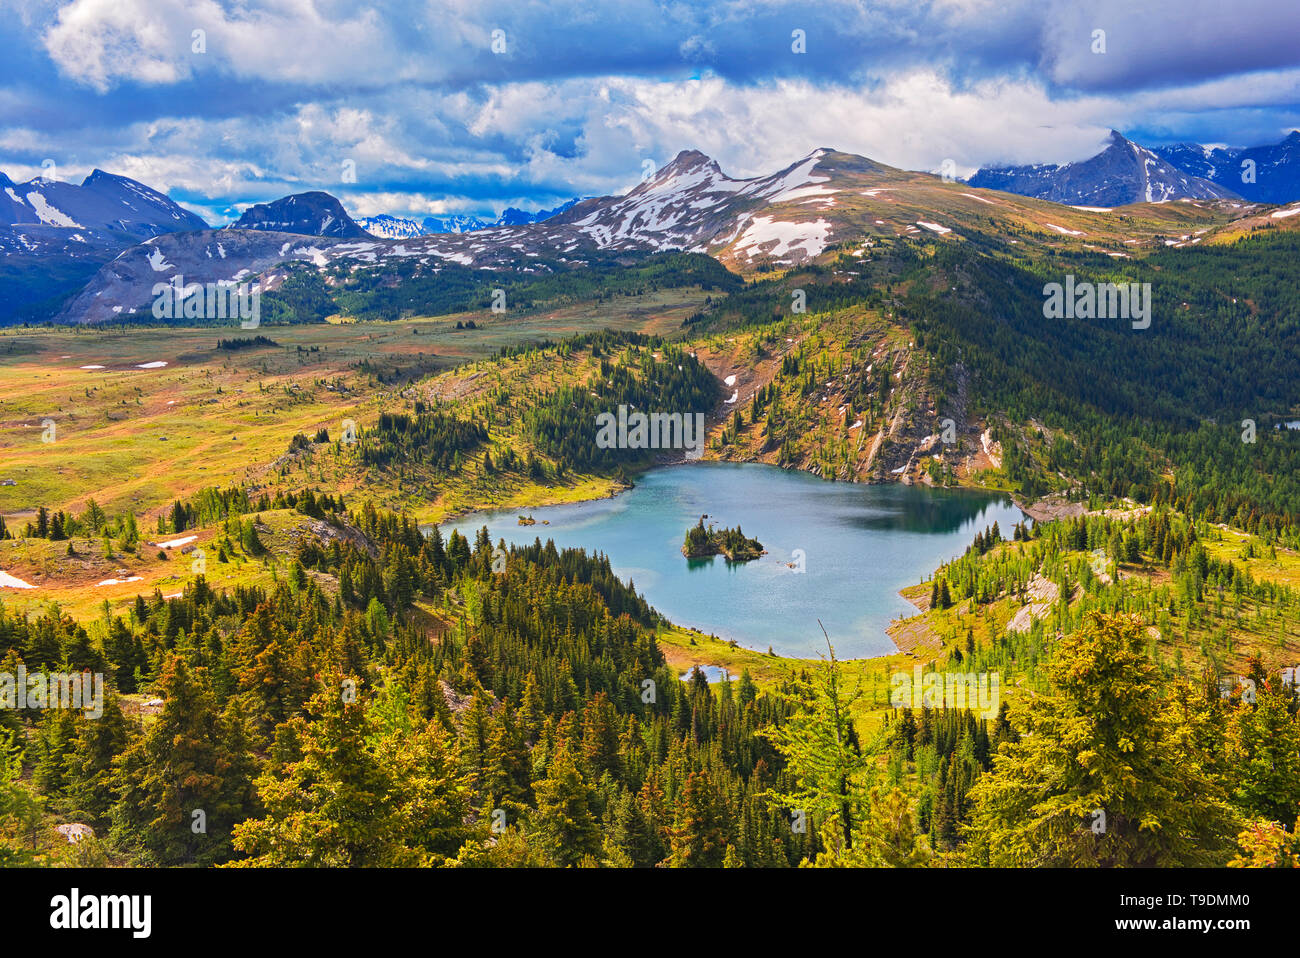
(1122, 173)
(311, 214)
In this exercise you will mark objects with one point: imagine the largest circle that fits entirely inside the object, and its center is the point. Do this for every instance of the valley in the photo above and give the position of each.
(395, 481)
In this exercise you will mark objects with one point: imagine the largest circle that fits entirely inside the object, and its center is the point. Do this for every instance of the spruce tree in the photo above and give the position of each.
(1111, 774)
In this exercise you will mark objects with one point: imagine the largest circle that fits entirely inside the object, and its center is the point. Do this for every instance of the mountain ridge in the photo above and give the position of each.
(799, 214)
(314, 213)
(1272, 176)
(1121, 174)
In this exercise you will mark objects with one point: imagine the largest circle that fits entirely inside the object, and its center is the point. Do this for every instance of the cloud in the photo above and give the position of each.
(283, 92)
(1163, 45)
(104, 43)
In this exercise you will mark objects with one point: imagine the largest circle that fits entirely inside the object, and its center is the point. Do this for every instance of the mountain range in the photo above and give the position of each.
(107, 237)
(1262, 174)
(55, 235)
(103, 203)
(1121, 174)
(393, 227)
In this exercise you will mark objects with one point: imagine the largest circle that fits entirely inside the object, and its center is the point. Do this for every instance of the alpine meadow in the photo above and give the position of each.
(445, 436)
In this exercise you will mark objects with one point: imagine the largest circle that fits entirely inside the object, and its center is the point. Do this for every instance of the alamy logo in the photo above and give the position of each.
(54, 690)
(979, 692)
(1073, 300)
(656, 430)
(221, 300)
(74, 910)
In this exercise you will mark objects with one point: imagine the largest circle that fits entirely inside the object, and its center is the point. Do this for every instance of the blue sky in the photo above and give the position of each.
(574, 96)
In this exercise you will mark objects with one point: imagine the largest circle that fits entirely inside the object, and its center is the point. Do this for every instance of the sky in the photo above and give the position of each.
(470, 106)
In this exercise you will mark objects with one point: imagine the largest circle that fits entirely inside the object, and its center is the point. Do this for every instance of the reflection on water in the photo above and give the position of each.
(837, 552)
(918, 509)
(712, 673)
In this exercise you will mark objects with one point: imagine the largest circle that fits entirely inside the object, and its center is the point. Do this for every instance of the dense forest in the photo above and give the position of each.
(564, 423)
(1223, 347)
(394, 291)
(322, 722)
(432, 437)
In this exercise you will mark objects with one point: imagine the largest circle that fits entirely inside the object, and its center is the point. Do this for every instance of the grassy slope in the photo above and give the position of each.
(140, 438)
(228, 418)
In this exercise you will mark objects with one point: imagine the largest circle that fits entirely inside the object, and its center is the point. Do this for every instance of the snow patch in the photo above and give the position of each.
(808, 238)
(48, 214)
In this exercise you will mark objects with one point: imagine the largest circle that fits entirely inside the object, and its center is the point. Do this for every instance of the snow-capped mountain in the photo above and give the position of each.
(1122, 173)
(54, 235)
(396, 227)
(453, 224)
(1262, 174)
(103, 203)
(311, 214)
(824, 201)
(690, 204)
(390, 227)
(511, 216)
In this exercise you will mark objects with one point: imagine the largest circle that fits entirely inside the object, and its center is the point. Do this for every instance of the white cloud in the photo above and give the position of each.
(412, 94)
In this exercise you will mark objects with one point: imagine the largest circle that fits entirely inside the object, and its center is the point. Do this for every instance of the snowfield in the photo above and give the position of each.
(808, 238)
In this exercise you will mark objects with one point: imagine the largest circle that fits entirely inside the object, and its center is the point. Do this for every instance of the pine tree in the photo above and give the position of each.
(821, 752)
(55, 741)
(1107, 749)
(509, 768)
(566, 822)
(89, 766)
(178, 768)
(700, 834)
(336, 805)
(1264, 748)
(635, 834)
(432, 801)
(600, 737)
(20, 813)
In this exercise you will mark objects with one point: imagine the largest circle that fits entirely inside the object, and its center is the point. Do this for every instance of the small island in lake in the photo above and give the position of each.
(701, 542)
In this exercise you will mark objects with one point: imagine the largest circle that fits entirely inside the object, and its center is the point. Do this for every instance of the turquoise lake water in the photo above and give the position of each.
(860, 544)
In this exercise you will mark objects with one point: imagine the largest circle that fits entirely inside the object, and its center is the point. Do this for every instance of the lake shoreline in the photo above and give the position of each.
(841, 552)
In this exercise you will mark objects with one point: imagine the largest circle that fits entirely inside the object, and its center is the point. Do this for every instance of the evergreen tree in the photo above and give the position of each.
(174, 783)
(1264, 747)
(821, 751)
(336, 805)
(1110, 775)
(89, 766)
(566, 822)
(700, 835)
